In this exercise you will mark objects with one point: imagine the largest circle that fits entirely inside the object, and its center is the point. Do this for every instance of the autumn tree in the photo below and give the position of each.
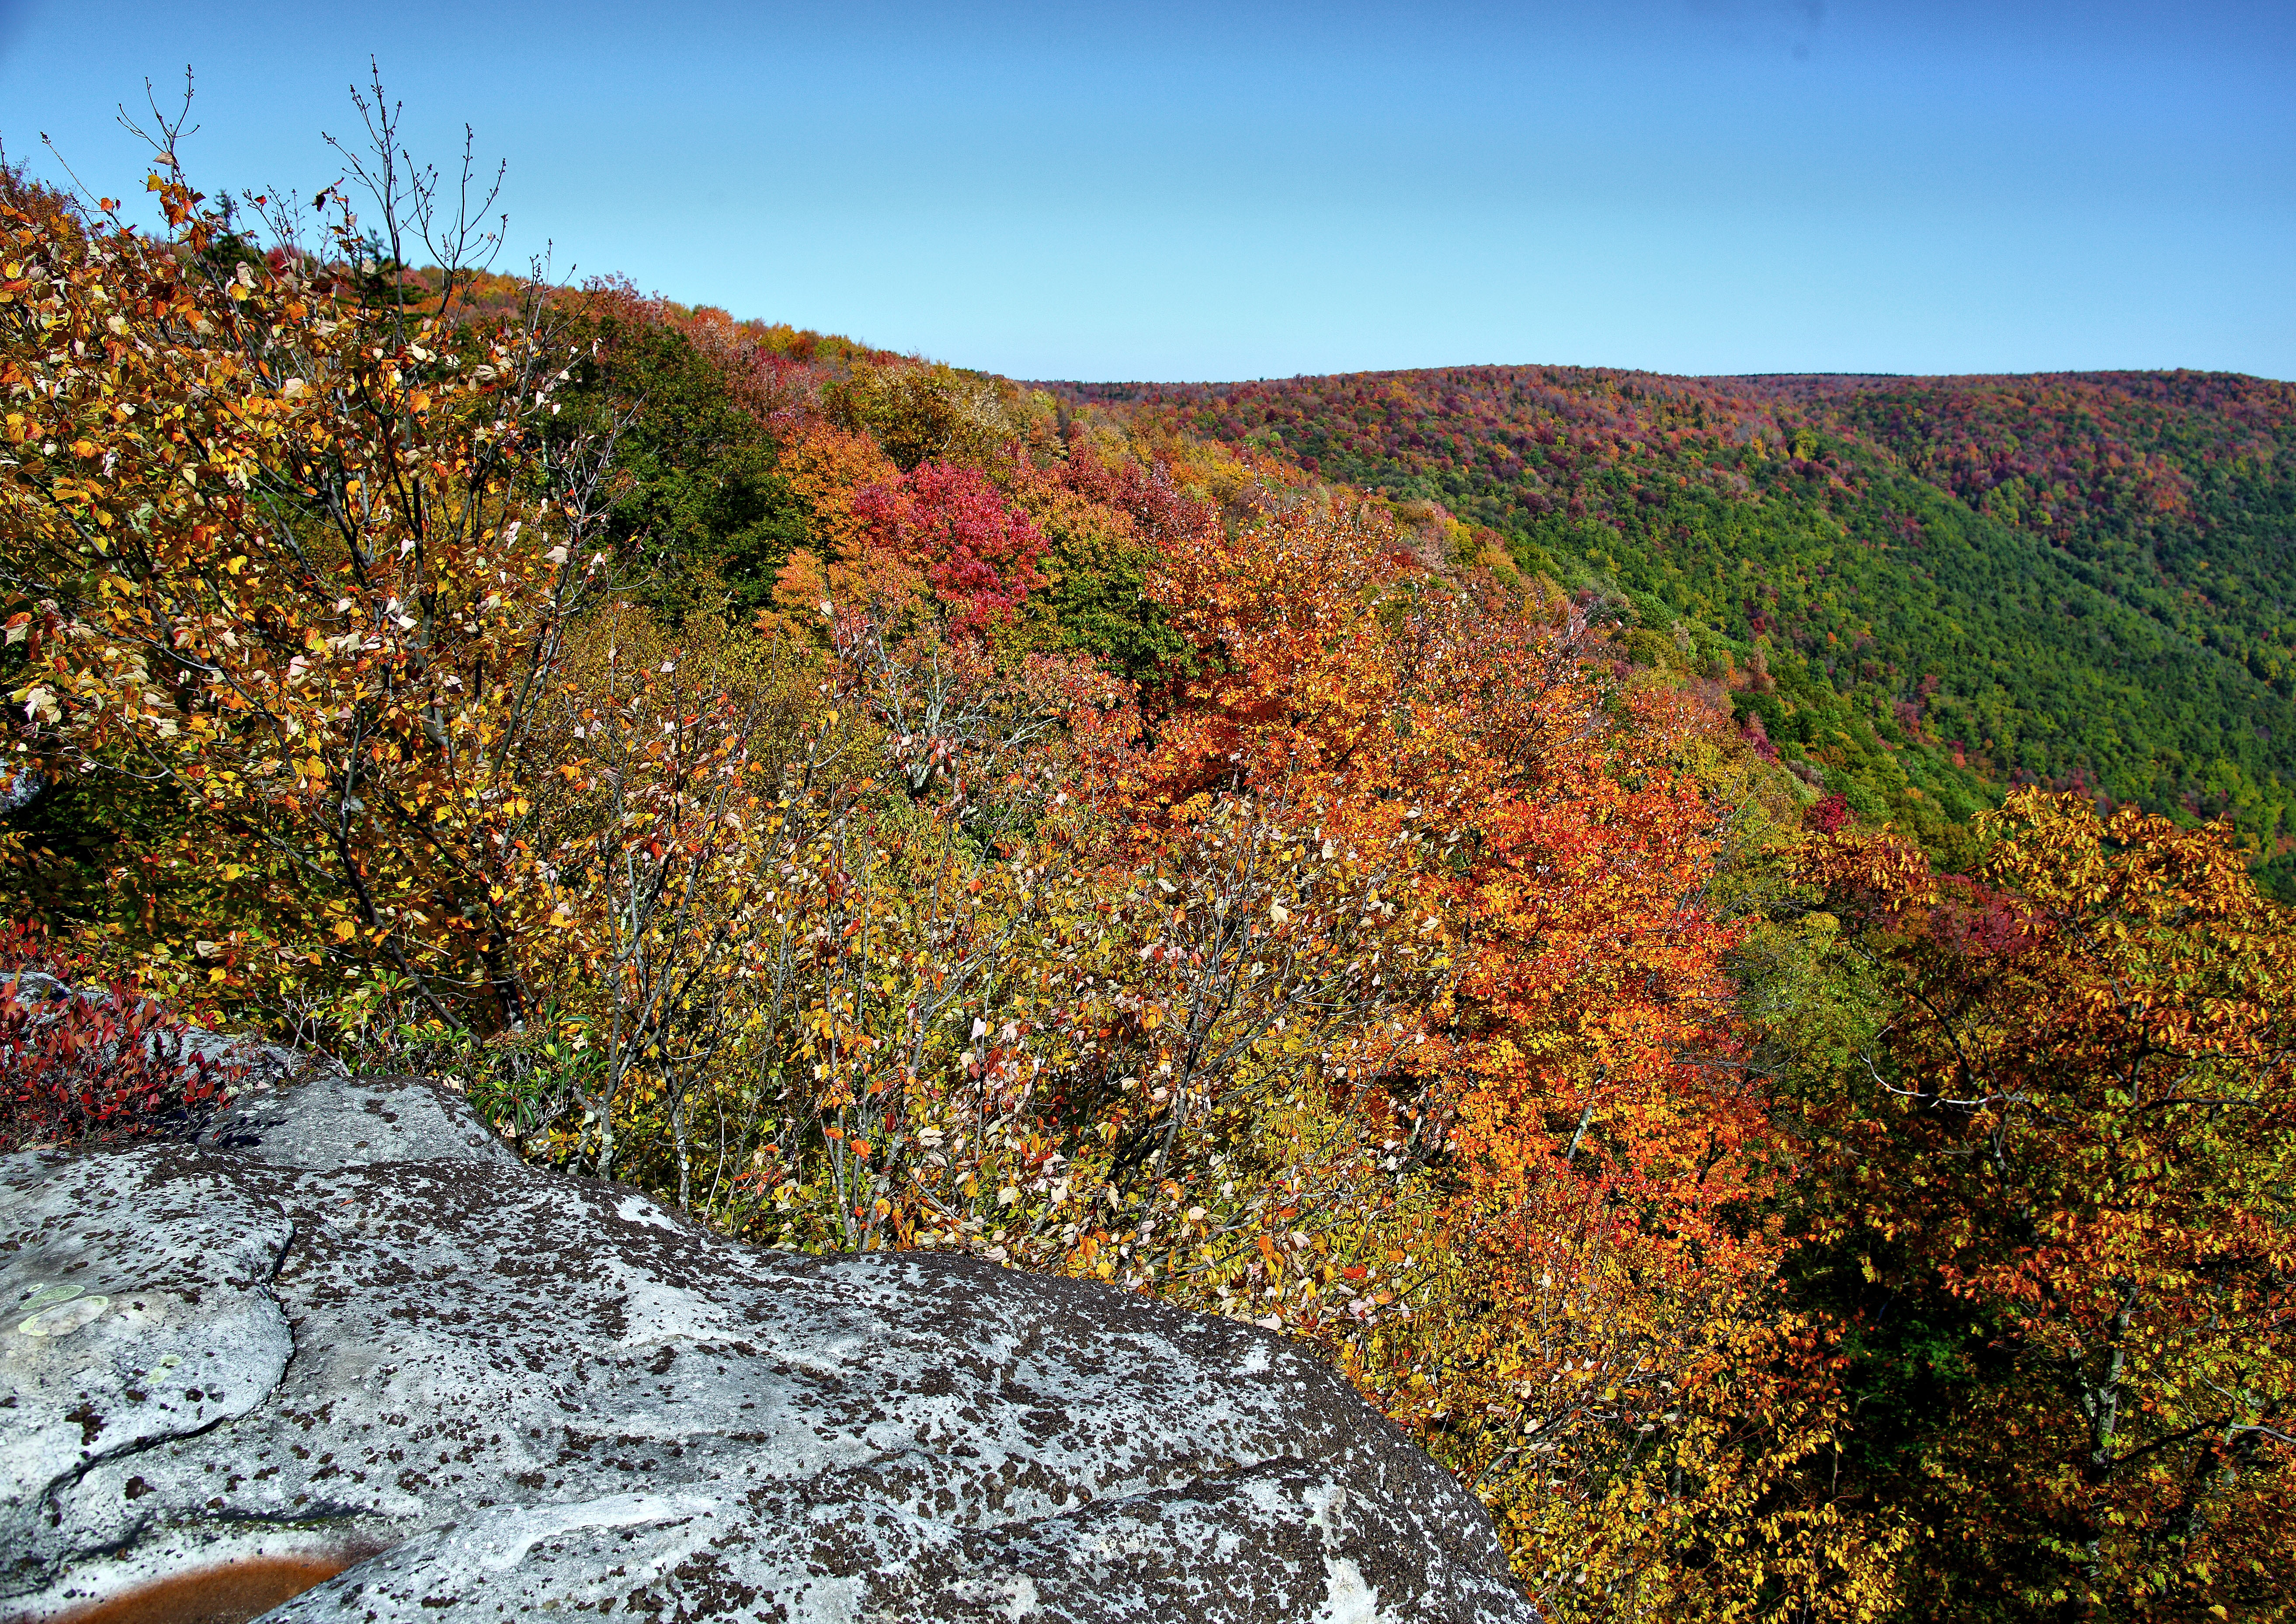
(923, 412)
(298, 566)
(2067, 1167)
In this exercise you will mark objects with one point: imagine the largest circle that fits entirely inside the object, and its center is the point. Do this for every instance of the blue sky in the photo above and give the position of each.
(1232, 190)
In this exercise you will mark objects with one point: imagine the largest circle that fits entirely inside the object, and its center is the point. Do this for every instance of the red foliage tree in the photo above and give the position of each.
(1826, 816)
(977, 553)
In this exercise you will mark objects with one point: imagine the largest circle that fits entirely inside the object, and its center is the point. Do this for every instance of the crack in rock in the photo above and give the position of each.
(188, 1337)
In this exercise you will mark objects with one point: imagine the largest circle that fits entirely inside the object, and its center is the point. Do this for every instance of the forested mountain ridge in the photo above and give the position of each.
(2172, 486)
(1958, 584)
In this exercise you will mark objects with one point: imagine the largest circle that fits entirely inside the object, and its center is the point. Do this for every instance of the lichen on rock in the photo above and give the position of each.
(350, 1322)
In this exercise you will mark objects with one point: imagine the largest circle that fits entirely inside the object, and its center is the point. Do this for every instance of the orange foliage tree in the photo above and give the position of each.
(1568, 1283)
(2077, 1146)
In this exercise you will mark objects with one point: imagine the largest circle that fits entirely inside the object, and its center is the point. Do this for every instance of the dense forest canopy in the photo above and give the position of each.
(2087, 581)
(1699, 939)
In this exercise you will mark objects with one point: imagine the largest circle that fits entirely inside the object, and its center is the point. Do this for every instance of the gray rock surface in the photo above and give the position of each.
(352, 1324)
(356, 1123)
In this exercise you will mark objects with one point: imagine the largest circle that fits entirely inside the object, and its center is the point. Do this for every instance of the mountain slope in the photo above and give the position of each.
(1956, 584)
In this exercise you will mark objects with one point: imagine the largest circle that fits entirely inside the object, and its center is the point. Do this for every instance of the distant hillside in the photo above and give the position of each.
(1958, 584)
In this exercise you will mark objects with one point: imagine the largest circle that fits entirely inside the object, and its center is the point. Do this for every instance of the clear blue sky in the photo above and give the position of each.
(1226, 190)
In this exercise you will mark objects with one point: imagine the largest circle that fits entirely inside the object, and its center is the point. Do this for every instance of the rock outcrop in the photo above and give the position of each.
(352, 1331)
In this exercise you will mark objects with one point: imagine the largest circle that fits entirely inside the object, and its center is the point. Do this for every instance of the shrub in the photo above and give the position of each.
(97, 1062)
